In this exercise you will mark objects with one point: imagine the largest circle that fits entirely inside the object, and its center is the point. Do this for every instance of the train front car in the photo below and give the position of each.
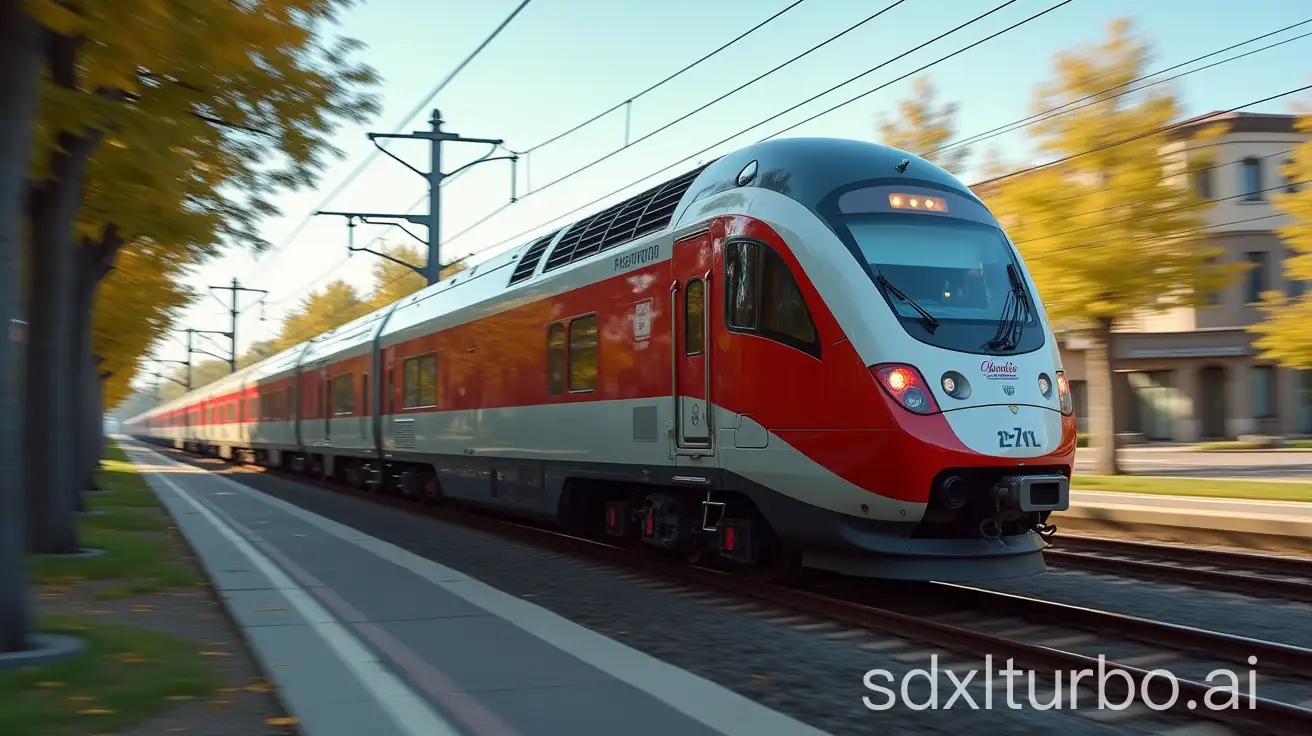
(941, 434)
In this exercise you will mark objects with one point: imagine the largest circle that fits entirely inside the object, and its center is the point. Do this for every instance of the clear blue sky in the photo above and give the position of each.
(561, 61)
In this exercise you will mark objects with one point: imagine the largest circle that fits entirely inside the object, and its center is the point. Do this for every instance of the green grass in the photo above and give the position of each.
(124, 676)
(135, 551)
(1249, 489)
(119, 476)
(1240, 446)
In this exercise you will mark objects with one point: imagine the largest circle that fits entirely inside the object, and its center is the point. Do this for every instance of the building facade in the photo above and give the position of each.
(1191, 374)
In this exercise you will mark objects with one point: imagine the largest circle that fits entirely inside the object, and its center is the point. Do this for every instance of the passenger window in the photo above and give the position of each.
(364, 394)
(409, 384)
(740, 279)
(783, 310)
(763, 297)
(583, 353)
(343, 395)
(694, 317)
(428, 380)
(556, 359)
(419, 381)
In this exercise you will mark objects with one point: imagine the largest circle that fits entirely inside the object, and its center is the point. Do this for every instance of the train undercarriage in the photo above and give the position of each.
(726, 529)
(722, 529)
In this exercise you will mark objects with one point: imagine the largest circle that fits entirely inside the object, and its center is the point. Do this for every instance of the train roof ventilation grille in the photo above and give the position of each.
(620, 223)
(529, 261)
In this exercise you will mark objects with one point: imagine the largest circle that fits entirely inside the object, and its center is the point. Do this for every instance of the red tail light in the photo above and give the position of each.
(905, 384)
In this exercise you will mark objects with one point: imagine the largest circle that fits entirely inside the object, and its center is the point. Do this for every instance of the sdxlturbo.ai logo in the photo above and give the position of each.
(1062, 692)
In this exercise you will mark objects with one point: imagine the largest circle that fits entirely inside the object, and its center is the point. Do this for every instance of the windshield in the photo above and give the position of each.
(956, 271)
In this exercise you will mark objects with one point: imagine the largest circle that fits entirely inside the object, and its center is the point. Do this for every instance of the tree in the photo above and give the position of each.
(1112, 230)
(1285, 336)
(20, 54)
(923, 129)
(333, 306)
(136, 305)
(394, 281)
(175, 143)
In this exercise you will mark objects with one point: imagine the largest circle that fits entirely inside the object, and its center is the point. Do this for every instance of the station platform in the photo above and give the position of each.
(1256, 523)
(363, 637)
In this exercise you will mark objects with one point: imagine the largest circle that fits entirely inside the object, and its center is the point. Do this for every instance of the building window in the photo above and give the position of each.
(694, 317)
(556, 359)
(1264, 392)
(1203, 183)
(343, 395)
(1250, 182)
(763, 297)
(419, 382)
(1290, 185)
(583, 353)
(1256, 277)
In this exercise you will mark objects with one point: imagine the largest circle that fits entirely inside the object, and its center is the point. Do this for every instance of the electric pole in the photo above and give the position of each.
(432, 269)
(233, 311)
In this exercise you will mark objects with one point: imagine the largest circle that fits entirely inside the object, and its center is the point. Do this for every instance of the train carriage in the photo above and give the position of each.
(807, 353)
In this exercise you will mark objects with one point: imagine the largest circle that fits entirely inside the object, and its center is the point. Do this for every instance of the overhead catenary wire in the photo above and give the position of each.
(738, 89)
(1186, 172)
(398, 128)
(865, 94)
(634, 97)
(1245, 196)
(1140, 136)
(518, 236)
(1098, 96)
(1199, 170)
(311, 284)
(556, 137)
(521, 234)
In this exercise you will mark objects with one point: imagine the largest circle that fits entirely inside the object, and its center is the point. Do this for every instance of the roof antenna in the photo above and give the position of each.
(902, 167)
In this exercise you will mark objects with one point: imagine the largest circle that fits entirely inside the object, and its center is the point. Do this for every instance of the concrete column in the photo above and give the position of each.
(1288, 401)
(1239, 398)
(1188, 424)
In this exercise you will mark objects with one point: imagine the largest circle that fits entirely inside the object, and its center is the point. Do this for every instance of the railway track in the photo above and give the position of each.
(961, 625)
(1262, 575)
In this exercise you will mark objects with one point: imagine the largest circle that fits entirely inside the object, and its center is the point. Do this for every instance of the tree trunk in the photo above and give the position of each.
(1099, 364)
(95, 261)
(50, 359)
(83, 377)
(52, 460)
(20, 54)
(101, 377)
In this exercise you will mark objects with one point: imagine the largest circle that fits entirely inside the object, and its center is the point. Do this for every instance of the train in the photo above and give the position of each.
(808, 354)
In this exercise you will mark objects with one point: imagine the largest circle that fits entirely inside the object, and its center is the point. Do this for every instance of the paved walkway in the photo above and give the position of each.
(1289, 520)
(363, 637)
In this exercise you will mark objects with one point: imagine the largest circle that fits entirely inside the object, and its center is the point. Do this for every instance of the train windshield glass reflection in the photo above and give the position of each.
(956, 269)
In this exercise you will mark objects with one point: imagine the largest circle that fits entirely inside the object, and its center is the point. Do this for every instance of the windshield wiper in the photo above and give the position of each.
(1015, 313)
(928, 319)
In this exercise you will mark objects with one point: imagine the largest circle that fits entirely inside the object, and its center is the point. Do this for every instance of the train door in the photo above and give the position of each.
(387, 398)
(690, 294)
(326, 397)
(362, 423)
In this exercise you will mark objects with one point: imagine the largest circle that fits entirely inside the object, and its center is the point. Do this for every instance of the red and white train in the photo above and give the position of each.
(814, 353)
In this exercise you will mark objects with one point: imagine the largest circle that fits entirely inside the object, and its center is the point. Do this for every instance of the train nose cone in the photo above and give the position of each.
(1008, 430)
